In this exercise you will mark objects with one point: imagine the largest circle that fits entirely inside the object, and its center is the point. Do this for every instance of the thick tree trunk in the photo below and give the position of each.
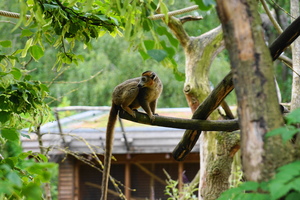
(258, 107)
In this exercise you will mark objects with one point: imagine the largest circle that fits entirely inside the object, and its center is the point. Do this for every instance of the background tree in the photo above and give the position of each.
(200, 52)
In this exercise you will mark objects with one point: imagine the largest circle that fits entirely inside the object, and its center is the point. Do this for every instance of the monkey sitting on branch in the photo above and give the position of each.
(129, 96)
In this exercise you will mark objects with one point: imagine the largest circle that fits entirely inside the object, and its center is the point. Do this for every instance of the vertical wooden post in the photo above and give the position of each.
(76, 180)
(180, 181)
(152, 183)
(127, 181)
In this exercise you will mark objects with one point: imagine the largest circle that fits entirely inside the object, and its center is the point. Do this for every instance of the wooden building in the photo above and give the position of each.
(141, 154)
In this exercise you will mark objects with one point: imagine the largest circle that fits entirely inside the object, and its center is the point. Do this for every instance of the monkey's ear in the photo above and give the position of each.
(153, 76)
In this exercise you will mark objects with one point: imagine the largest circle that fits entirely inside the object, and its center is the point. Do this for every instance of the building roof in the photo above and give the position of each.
(135, 139)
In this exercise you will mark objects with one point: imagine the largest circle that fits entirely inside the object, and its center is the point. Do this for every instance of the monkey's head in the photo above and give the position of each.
(147, 80)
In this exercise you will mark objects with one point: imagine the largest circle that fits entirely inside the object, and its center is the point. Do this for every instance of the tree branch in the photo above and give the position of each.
(285, 39)
(172, 122)
(190, 18)
(272, 19)
(215, 98)
(175, 12)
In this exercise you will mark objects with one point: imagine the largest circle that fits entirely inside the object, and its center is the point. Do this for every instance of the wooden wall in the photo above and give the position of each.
(67, 178)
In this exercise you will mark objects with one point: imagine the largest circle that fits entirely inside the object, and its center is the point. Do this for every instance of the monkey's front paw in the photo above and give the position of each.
(152, 118)
(133, 114)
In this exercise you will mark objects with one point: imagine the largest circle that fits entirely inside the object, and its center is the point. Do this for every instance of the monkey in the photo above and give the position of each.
(130, 95)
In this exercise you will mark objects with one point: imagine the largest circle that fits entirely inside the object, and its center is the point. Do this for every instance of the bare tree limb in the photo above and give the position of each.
(285, 39)
(190, 18)
(172, 122)
(173, 13)
(272, 19)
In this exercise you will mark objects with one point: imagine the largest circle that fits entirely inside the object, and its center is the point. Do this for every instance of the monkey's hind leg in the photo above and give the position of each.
(128, 110)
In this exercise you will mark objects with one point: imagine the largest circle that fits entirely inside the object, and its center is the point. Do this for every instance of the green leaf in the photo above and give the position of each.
(115, 21)
(278, 189)
(179, 76)
(16, 73)
(11, 161)
(157, 54)
(10, 134)
(43, 157)
(149, 44)
(147, 24)
(171, 51)
(164, 10)
(24, 155)
(144, 55)
(258, 196)
(14, 178)
(293, 196)
(164, 31)
(6, 43)
(249, 185)
(25, 135)
(32, 191)
(205, 4)
(102, 17)
(288, 172)
(6, 187)
(36, 52)
(286, 132)
(4, 116)
(50, 6)
(44, 88)
(230, 194)
(26, 33)
(209, 2)
(294, 185)
(293, 117)
(27, 46)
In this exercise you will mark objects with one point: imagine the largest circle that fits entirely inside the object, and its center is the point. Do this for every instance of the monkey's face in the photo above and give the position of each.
(145, 81)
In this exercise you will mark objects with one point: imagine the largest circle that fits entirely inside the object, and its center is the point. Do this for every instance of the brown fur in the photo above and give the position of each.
(129, 95)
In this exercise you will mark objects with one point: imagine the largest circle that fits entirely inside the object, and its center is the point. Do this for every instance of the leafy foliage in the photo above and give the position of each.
(24, 178)
(62, 23)
(287, 132)
(284, 184)
(19, 95)
(172, 190)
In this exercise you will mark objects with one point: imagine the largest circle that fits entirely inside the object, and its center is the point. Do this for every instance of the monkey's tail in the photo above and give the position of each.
(108, 149)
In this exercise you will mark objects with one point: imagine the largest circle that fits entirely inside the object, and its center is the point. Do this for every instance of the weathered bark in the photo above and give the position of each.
(295, 103)
(258, 108)
(218, 151)
(47, 186)
(200, 52)
(215, 153)
(296, 61)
